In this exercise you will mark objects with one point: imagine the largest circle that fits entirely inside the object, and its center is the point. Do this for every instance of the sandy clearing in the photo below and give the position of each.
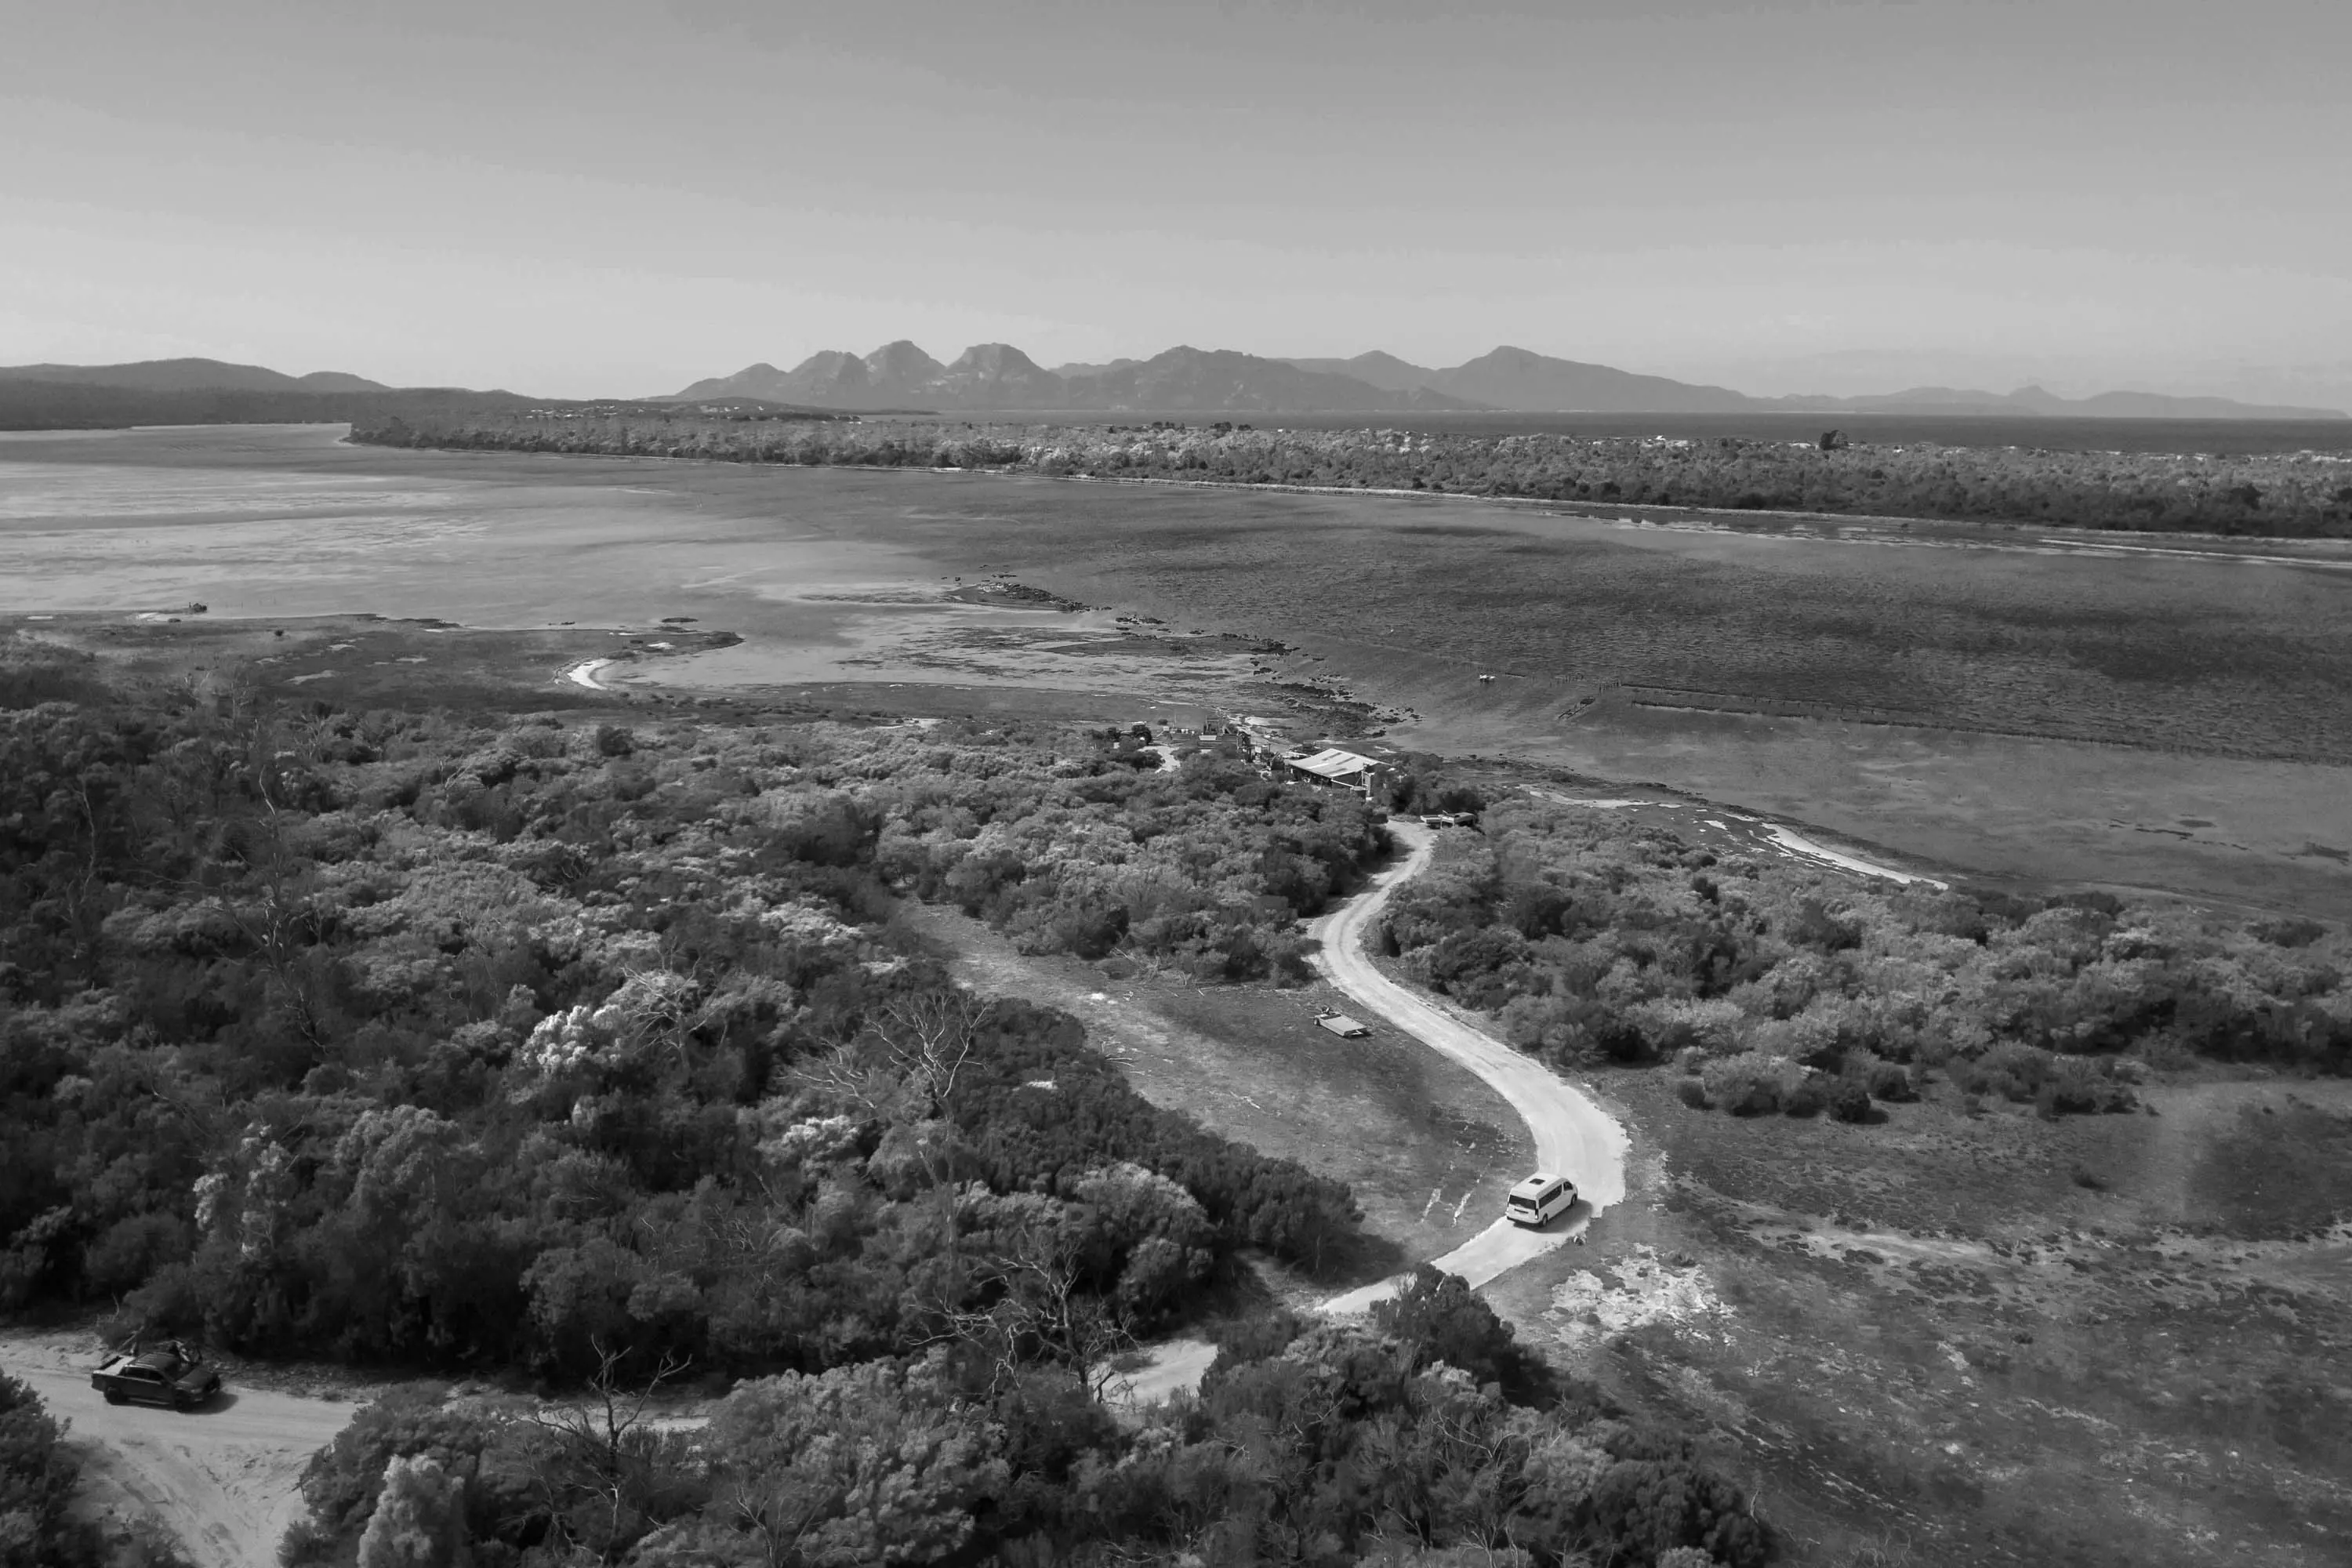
(585, 674)
(1573, 1136)
(223, 1479)
(1644, 1289)
(1166, 1367)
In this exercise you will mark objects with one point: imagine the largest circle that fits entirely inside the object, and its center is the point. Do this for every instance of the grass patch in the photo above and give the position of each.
(1937, 1335)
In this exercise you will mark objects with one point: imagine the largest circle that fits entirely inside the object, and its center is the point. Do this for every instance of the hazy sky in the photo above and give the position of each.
(603, 198)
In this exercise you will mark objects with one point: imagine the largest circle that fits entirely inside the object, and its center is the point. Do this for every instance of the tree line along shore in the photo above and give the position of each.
(2302, 495)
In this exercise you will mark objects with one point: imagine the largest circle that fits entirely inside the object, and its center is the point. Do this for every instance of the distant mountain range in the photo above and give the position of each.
(189, 375)
(210, 392)
(999, 378)
(1524, 382)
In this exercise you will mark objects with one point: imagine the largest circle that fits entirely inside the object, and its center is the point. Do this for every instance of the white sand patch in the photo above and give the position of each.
(1797, 844)
(1646, 1291)
(1170, 1367)
(585, 674)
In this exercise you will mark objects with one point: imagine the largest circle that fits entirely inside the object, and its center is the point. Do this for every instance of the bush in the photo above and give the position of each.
(1755, 1084)
(1890, 1081)
(343, 1480)
(1439, 1318)
(2059, 1086)
(38, 1475)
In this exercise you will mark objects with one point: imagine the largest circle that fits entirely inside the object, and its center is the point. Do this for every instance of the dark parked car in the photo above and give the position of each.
(174, 1376)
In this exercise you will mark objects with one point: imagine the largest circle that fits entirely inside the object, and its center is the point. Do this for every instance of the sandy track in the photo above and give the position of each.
(222, 1479)
(1166, 1367)
(1572, 1135)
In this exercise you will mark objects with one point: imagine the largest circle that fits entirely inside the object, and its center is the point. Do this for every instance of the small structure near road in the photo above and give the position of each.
(1349, 770)
(1344, 1026)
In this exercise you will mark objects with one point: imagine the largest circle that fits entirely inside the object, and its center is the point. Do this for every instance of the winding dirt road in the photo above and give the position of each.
(1573, 1136)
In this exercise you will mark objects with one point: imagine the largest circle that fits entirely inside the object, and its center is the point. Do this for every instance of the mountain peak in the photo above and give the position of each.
(1507, 376)
(994, 359)
(999, 375)
(902, 360)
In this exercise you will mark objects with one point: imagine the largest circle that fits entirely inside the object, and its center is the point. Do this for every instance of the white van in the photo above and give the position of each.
(1540, 1199)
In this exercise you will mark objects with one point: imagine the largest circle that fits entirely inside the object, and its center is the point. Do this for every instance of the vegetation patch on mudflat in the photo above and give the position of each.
(2296, 495)
(1782, 989)
(1982, 1336)
(1972, 1227)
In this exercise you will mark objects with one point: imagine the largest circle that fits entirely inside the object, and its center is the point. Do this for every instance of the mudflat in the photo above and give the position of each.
(2010, 703)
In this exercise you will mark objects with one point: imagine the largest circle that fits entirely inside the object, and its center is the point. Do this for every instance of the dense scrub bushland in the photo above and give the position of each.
(483, 1043)
(1787, 989)
(593, 1051)
(1425, 1437)
(2298, 495)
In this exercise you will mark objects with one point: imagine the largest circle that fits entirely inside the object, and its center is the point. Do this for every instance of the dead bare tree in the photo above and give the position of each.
(600, 1449)
(929, 1038)
(848, 1075)
(1040, 1310)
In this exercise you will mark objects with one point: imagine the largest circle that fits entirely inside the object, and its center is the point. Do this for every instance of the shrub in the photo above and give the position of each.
(1877, 1077)
(1808, 1095)
(2013, 1070)
(1755, 1084)
(344, 1479)
(38, 1475)
(2089, 1085)
(1439, 1318)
